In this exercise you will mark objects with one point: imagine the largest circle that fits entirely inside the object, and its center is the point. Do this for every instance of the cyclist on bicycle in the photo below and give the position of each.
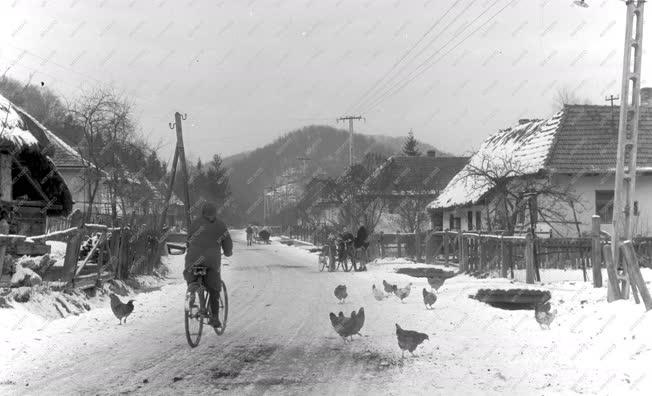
(207, 238)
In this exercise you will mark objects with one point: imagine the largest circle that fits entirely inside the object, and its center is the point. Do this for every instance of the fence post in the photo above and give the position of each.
(417, 245)
(636, 278)
(398, 244)
(429, 236)
(72, 256)
(481, 261)
(381, 242)
(463, 259)
(446, 247)
(503, 258)
(4, 229)
(529, 258)
(596, 251)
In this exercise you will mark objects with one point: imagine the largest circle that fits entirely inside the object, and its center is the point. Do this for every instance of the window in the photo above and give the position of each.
(478, 220)
(451, 222)
(604, 205)
(469, 219)
(458, 223)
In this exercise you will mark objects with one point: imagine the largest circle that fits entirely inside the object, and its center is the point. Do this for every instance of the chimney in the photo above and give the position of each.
(523, 121)
(431, 153)
(646, 96)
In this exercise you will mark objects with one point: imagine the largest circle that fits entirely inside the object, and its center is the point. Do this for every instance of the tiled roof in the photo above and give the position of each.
(59, 151)
(588, 138)
(579, 139)
(415, 174)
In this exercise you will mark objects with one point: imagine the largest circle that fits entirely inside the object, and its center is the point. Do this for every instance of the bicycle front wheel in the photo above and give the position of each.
(223, 314)
(195, 313)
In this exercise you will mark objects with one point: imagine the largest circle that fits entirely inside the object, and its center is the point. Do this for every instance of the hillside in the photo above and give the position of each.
(276, 163)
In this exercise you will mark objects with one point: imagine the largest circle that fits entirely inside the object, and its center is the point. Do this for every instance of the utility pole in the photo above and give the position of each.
(625, 180)
(179, 154)
(350, 119)
(611, 99)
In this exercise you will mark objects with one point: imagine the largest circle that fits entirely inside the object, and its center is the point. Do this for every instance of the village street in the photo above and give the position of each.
(279, 340)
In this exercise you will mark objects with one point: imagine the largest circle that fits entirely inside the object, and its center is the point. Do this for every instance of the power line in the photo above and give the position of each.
(428, 66)
(373, 87)
(374, 97)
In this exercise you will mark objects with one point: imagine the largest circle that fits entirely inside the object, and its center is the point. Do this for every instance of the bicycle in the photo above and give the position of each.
(196, 315)
(326, 259)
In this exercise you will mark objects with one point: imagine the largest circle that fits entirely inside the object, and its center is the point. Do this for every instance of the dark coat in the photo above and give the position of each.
(206, 241)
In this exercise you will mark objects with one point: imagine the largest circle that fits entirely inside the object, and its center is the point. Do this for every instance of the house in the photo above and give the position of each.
(319, 203)
(80, 176)
(418, 177)
(407, 183)
(31, 186)
(564, 164)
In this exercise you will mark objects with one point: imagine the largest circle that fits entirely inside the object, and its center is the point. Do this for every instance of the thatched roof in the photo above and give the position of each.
(24, 137)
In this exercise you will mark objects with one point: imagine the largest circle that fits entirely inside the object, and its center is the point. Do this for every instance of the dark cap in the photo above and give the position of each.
(209, 210)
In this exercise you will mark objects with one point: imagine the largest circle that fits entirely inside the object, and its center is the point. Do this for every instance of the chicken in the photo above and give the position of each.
(436, 282)
(543, 315)
(340, 293)
(347, 327)
(403, 292)
(409, 340)
(378, 294)
(359, 321)
(120, 309)
(429, 298)
(388, 287)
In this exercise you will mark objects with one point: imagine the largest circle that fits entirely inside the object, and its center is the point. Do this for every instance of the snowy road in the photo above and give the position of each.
(279, 341)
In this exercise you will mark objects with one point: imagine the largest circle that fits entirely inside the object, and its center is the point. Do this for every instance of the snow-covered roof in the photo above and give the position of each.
(524, 147)
(13, 131)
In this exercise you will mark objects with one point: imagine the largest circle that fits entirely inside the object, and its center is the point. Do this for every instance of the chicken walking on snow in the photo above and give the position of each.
(340, 293)
(389, 288)
(409, 340)
(378, 294)
(403, 292)
(429, 298)
(120, 309)
(436, 282)
(543, 315)
(348, 326)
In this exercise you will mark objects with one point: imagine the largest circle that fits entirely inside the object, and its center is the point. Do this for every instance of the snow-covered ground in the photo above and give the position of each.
(279, 339)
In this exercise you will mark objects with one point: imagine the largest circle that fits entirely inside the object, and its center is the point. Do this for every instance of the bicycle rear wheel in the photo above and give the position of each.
(195, 308)
(223, 314)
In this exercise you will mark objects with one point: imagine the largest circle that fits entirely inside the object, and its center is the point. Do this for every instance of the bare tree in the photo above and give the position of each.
(106, 120)
(566, 96)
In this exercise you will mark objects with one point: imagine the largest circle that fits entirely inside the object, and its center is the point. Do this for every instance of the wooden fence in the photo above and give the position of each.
(489, 254)
(115, 253)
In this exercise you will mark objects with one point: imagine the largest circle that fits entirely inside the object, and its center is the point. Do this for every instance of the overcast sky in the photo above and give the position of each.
(247, 71)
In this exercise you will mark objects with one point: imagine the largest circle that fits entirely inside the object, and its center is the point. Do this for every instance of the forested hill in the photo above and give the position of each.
(277, 163)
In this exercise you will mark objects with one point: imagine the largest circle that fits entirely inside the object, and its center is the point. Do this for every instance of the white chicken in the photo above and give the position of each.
(403, 292)
(378, 294)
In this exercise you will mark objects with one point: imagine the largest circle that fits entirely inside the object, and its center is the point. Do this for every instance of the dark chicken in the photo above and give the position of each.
(347, 327)
(409, 340)
(389, 288)
(429, 298)
(340, 293)
(120, 309)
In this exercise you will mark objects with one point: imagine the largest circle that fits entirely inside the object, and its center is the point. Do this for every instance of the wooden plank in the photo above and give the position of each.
(100, 240)
(463, 253)
(71, 257)
(614, 290)
(4, 228)
(446, 249)
(61, 236)
(635, 273)
(596, 251)
(529, 259)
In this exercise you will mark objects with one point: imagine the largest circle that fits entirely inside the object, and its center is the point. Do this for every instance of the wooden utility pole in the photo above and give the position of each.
(351, 119)
(179, 154)
(625, 179)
